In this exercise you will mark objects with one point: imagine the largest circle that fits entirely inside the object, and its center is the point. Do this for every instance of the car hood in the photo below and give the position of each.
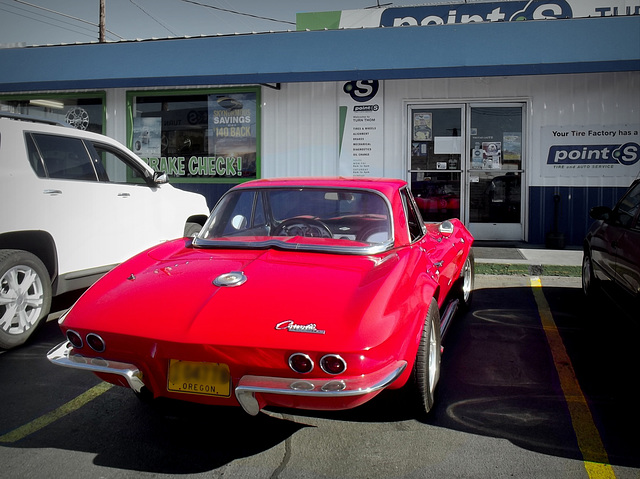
(307, 299)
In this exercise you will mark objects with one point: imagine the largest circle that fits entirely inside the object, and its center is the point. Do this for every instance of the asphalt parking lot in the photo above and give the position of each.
(535, 383)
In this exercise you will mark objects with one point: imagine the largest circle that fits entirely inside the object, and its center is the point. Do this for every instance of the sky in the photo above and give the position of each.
(46, 22)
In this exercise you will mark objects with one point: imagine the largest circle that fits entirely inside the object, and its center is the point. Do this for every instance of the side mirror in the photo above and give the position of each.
(160, 178)
(600, 212)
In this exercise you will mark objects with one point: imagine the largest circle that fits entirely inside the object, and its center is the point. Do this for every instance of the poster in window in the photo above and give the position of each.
(422, 126)
(147, 132)
(492, 159)
(232, 132)
(512, 147)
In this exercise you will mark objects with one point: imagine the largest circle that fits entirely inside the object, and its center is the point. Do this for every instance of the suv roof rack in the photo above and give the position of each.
(34, 119)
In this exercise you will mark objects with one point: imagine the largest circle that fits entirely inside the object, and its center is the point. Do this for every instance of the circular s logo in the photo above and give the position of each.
(361, 90)
(628, 154)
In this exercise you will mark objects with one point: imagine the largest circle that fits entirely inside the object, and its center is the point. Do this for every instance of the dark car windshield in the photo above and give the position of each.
(318, 217)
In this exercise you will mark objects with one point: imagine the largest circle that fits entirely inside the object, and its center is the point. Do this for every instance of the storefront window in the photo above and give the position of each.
(84, 112)
(199, 137)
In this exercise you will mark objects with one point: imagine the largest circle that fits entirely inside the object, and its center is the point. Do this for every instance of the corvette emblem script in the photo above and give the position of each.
(299, 328)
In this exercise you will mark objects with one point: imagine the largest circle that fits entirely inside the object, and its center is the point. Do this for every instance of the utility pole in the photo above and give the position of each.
(102, 21)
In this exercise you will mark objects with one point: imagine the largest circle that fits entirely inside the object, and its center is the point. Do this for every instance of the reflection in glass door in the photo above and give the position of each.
(436, 160)
(495, 172)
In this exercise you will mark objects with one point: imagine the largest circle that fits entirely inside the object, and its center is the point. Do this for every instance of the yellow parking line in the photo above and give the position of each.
(43, 421)
(596, 460)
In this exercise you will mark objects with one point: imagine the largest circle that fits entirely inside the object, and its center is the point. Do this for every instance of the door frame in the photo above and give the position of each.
(488, 231)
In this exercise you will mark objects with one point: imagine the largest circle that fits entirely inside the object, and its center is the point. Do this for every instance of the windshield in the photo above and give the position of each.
(325, 218)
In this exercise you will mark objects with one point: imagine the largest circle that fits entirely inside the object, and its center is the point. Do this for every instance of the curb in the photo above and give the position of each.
(527, 269)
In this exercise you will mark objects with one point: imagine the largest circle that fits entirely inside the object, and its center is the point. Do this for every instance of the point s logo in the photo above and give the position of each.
(626, 155)
(476, 12)
(361, 90)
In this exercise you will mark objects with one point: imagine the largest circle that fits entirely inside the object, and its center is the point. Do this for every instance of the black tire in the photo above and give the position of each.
(25, 296)
(191, 229)
(466, 282)
(590, 286)
(426, 370)
(145, 396)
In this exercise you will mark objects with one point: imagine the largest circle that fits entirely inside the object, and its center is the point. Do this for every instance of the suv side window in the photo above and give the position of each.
(113, 166)
(416, 225)
(62, 157)
(34, 158)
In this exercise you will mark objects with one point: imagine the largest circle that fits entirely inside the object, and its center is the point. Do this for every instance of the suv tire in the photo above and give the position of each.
(25, 296)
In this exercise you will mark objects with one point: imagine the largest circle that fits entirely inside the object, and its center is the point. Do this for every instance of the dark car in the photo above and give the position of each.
(611, 262)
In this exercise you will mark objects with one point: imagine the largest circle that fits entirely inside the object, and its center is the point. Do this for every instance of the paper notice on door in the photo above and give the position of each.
(447, 145)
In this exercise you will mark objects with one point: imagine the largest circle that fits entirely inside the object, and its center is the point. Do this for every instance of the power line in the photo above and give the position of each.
(65, 15)
(237, 13)
(30, 17)
(154, 18)
(47, 23)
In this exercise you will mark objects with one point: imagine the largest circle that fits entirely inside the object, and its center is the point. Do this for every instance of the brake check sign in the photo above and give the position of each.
(591, 151)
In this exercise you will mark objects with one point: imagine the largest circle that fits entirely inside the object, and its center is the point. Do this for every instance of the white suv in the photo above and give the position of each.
(73, 204)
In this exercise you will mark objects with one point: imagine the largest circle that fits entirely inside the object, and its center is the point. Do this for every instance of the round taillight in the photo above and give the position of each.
(75, 339)
(95, 342)
(300, 363)
(333, 364)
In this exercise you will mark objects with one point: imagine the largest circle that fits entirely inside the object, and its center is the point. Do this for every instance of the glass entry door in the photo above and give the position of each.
(466, 161)
(436, 162)
(495, 170)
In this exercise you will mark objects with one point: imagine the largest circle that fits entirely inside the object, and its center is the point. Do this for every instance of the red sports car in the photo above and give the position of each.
(301, 293)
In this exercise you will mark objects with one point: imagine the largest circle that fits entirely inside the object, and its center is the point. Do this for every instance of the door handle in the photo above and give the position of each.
(124, 195)
(52, 192)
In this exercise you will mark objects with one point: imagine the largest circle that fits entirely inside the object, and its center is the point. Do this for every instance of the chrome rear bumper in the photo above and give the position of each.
(248, 386)
(61, 355)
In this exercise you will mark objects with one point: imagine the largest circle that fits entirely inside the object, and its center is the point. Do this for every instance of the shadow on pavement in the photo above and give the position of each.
(498, 380)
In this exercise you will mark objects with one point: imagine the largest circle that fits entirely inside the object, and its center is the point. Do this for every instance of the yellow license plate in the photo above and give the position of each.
(208, 379)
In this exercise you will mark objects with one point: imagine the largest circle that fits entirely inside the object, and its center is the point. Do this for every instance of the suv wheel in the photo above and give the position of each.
(25, 296)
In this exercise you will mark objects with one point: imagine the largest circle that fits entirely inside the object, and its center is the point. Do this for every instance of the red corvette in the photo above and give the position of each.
(301, 293)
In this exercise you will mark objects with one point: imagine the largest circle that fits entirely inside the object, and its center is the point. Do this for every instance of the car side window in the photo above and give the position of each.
(62, 157)
(415, 222)
(113, 166)
(628, 207)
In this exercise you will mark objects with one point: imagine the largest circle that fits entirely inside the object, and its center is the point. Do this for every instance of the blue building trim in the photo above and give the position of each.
(573, 208)
(525, 48)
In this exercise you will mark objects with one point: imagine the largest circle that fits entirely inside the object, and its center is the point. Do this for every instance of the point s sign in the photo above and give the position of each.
(476, 12)
(591, 151)
(626, 154)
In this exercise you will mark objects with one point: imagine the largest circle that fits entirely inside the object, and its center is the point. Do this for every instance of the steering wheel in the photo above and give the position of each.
(308, 227)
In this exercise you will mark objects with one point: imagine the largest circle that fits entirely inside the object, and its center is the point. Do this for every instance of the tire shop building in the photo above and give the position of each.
(516, 117)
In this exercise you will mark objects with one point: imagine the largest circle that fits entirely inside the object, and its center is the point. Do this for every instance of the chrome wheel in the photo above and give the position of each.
(25, 296)
(426, 370)
(466, 282)
(434, 361)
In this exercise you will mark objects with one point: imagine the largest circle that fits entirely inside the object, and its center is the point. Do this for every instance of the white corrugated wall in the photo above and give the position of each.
(300, 121)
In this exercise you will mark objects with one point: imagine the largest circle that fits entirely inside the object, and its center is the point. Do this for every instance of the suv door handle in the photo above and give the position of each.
(52, 192)
(124, 195)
